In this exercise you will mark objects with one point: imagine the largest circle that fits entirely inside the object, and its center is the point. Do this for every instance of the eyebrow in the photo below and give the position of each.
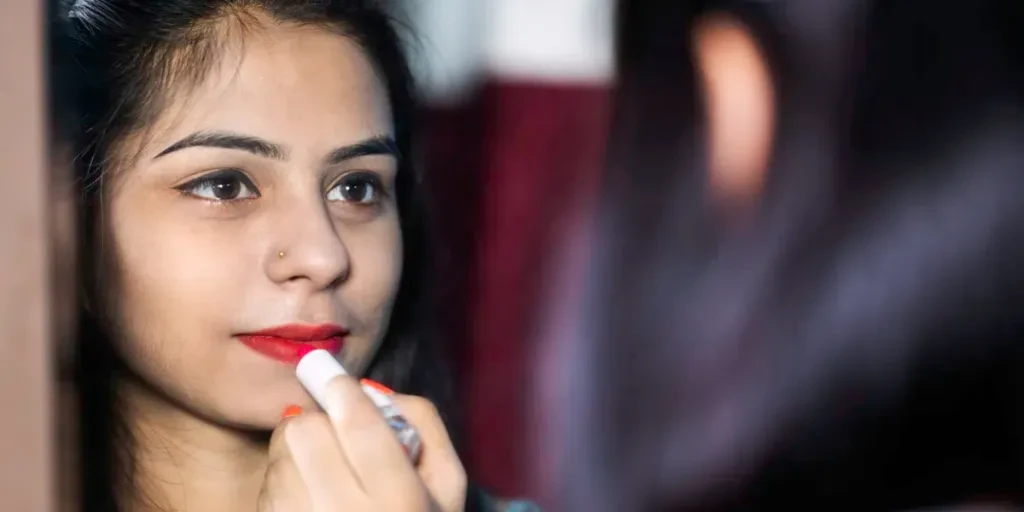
(379, 145)
(228, 140)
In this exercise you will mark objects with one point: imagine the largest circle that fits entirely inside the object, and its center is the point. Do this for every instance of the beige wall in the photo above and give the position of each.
(25, 440)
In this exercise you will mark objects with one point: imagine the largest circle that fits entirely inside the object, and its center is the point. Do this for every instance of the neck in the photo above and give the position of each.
(182, 462)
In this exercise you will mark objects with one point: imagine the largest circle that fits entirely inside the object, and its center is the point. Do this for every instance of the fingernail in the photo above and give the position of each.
(291, 411)
(377, 385)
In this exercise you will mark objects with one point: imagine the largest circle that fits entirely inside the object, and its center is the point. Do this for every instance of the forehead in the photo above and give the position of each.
(305, 87)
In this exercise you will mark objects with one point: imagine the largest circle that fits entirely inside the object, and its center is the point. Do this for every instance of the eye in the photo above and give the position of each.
(363, 188)
(226, 185)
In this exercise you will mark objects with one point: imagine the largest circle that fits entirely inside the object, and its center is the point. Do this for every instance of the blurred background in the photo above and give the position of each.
(517, 97)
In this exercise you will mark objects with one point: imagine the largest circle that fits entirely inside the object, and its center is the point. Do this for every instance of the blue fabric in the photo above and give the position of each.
(512, 506)
(521, 506)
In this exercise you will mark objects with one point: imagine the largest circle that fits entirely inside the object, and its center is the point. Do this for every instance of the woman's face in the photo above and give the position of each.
(262, 198)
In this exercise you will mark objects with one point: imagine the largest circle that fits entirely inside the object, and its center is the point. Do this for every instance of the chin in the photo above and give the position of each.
(261, 410)
(264, 418)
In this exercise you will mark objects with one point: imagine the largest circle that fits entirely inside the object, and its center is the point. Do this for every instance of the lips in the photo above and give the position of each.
(288, 343)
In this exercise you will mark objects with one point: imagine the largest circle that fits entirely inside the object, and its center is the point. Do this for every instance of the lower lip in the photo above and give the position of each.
(287, 350)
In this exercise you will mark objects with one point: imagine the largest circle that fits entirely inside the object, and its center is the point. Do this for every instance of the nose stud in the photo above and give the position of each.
(280, 255)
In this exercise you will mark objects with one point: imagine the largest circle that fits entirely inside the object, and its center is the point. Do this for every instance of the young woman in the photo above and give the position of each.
(246, 190)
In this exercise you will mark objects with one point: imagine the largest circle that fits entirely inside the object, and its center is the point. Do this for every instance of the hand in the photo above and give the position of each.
(352, 462)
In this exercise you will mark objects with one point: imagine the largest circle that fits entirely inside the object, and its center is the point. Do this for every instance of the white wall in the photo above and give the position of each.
(552, 41)
(447, 56)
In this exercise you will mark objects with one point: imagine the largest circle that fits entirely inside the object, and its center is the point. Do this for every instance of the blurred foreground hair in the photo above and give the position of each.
(855, 342)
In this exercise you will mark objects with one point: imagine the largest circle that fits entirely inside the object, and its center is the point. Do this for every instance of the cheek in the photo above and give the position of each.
(376, 257)
(173, 278)
(377, 270)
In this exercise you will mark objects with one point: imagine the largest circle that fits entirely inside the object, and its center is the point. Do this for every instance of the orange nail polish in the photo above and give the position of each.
(291, 411)
(377, 385)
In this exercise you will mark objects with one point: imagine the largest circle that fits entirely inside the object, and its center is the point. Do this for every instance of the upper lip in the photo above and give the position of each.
(303, 332)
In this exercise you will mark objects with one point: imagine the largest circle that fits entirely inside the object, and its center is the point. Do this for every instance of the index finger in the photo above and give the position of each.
(440, 468)
(368, 442)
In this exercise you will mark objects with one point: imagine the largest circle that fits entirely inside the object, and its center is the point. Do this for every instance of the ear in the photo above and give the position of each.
(739, 101)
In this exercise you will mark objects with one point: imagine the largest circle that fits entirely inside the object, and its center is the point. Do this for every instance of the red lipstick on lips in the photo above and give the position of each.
(288, 343)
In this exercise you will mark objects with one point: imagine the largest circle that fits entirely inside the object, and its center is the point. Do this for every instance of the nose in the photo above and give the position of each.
(309, 248)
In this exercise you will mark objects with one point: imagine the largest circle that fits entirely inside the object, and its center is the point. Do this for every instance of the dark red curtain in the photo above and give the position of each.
(505, 170)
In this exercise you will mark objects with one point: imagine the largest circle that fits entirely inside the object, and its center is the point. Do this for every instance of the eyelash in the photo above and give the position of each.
(360, 178)
(227, 178)
(220, 178)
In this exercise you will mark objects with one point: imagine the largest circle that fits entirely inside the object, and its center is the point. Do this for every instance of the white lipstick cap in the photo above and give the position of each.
(315, 370)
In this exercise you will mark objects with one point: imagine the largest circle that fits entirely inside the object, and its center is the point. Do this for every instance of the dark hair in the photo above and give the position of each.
(128, 53)
(856, 343)
(61, 114)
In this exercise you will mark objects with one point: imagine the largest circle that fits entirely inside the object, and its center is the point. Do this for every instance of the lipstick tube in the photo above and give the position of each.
(318, 367)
